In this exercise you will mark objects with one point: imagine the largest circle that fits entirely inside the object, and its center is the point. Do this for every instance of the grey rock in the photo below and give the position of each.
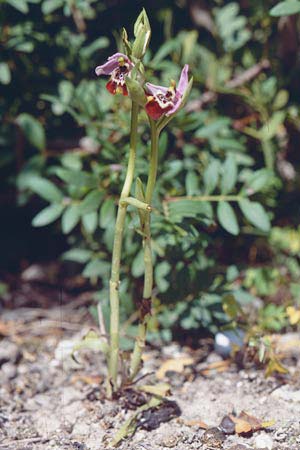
(9, 352)
(9, 371)
(213, 437)
(224, 341)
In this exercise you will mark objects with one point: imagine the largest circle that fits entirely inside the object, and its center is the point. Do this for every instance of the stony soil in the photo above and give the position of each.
(48, 401)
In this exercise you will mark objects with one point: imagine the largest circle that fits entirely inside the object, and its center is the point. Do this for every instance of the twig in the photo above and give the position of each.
(102, 327)
(235, 82)
(78, 19)
(24, 441)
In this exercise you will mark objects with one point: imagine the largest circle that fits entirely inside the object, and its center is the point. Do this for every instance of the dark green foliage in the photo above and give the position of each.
(224, 176)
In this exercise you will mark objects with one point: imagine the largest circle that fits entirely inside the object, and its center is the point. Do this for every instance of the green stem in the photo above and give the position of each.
(116, 258)
(145, 307)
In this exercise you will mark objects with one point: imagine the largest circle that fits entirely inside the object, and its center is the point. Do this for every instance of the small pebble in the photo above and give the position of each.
(227, 425)
(9, 352)
(213, 437)
(263, 442)
(9, 371)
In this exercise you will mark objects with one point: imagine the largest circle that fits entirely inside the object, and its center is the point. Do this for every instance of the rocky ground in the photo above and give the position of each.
(49, 401)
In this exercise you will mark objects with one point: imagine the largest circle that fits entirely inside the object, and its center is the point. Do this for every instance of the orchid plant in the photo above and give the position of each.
(161, 104)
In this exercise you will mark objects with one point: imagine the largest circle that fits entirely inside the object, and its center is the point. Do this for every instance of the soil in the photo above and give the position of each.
(49, 401)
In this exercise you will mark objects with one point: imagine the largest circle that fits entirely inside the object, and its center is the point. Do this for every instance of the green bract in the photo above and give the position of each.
(142, 34)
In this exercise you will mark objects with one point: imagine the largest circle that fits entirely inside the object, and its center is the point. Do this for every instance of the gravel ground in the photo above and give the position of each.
(48, 401)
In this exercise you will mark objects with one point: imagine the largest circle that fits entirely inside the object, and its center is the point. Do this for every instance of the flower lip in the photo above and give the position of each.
(164, 100)
(118, 66)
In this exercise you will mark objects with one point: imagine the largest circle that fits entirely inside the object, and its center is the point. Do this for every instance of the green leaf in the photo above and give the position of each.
(98, 44)
(230, 306)
(33, 130)
(91, 341)
(211, 176)
(269, 130)
(91, 202)
(90, 221)
(96, 268)
(66, 91)
(229, 176)
(70, 218)
(20, 5)
(161, 271)
(259, 180)
(48, 215)
(192, 183)
(285, 8)
(255, 214)
(179, 209)
(45, 189)
(213, 128)
(138, 265)
(5, 75)
(227, 218)
(49, 6)
(79, 178)
(71, 161)
(281, 99)
(78, 255)
(107, 213)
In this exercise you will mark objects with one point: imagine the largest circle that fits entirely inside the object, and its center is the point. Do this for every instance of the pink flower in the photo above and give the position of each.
(118, 66)
(162, 100)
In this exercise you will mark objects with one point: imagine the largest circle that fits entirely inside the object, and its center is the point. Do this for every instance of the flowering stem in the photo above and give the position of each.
(116, 258)
(145, 306)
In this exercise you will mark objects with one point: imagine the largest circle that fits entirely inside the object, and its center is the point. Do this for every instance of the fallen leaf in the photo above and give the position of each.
(293, 315)
(215, 367)
(268, 424)
(241, 426)
(160, 389)
(255, 423)
(245, 423)
(87, 379)
(274, 365)
(194, 423)
(173, 365)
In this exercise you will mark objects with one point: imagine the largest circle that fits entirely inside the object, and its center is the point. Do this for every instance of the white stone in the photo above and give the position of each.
(263, 441)
(285, 393)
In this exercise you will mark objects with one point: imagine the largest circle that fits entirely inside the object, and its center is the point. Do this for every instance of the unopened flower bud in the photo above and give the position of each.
(142, 33)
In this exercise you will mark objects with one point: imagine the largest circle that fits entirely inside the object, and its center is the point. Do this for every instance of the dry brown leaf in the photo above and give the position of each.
(160, 389)
(195, 423)
(174, 365)
(87, 379)
(241, 426)
(255, 423)
(245, 423)
(6, 328)
(215, 367)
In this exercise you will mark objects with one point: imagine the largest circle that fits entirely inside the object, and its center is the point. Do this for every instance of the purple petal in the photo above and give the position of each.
(178, 101)
(111, 64)
(184, 80)
(155, 89)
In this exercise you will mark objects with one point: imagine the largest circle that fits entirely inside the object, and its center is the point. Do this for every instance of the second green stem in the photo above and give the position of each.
(145, 306)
